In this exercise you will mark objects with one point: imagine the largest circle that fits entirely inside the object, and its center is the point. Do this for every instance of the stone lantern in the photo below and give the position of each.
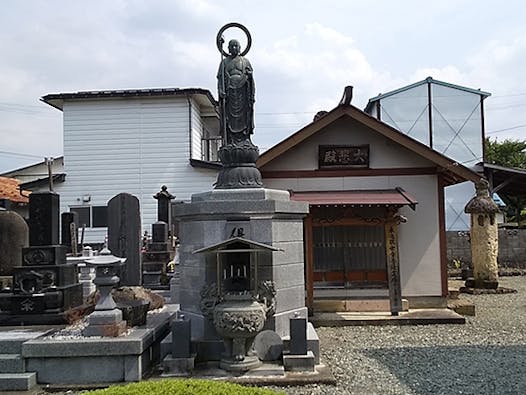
(238, 304)
(484, 238)
(106, 320)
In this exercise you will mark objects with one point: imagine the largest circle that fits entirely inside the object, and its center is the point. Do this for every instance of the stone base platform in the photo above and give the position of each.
(462, 307)
(485, 291)
(356, 305)
(411, 317)
(86, 360)
(266, 374)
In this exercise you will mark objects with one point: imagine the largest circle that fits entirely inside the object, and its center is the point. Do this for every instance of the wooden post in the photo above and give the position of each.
(309, 263)
(393, 262)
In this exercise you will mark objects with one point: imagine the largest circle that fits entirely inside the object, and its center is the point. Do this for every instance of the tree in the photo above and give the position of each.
(509, 153)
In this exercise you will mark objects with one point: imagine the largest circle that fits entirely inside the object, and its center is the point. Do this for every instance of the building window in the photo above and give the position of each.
(99, 216)
(211, 139)
(209, 148)
(91, 216)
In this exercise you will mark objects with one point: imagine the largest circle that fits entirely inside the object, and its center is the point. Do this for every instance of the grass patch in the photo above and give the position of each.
(183, 387)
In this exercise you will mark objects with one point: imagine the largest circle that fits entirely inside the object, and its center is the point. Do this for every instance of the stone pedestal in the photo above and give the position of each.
(263, 215)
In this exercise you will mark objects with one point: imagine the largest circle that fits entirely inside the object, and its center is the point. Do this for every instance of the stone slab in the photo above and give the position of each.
(17, 381)
(11, 339)
(299, 363)
(12, 363)
(266, 370)
(411, 317)
(99, 360)
(241, 194)
(175, 367)
(156, 328)
(462, 307)
(359, 305)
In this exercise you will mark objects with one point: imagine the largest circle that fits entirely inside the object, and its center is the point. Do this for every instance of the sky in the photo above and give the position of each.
(303, 53)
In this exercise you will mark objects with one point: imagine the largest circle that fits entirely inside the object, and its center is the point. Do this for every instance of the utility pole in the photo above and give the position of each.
(49, 163)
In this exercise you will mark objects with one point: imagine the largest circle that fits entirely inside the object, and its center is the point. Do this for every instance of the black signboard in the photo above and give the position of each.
(343, 156)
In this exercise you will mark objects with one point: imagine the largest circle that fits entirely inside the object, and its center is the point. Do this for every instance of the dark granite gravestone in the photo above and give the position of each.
(163, 198)
(181, 338)
(44, 286)
(14, 235)
(124, 235)
(298, 336)
(44, 219)
(156, 257)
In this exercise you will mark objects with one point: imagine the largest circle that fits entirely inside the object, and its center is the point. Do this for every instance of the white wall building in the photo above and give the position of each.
(134, 141)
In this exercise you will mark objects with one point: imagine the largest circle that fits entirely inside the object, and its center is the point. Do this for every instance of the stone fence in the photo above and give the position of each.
(512, 248)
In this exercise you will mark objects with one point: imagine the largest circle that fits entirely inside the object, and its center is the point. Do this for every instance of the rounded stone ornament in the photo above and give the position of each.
(268, 345)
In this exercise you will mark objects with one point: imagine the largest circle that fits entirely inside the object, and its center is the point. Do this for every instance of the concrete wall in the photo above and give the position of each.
(512, 248)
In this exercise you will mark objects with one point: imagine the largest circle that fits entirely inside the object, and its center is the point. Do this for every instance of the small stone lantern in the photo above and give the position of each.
(484, 238)
(106, 320)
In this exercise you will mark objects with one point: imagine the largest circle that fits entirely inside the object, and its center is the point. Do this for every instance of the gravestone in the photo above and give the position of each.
(124, 235)
(44, 286)
(156, 257)
(181, 360)
(65, 226)
(163, 198)
(44, 219)
(298, 336)
(14, 235)
(299, 358)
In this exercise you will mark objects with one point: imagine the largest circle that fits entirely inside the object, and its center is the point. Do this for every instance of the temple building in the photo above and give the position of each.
(376, 226)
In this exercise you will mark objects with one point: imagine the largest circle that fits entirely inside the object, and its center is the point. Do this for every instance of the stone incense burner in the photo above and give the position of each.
(238, 304)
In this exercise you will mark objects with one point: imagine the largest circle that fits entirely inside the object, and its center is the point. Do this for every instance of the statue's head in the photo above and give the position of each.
(234, 48)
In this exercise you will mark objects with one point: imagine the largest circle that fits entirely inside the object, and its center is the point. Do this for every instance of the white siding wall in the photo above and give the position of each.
(128, 145)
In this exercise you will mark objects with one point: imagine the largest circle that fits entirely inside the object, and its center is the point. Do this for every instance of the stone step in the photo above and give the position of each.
(11, 340)
(12, 363)
(356, 305)
(17, 381)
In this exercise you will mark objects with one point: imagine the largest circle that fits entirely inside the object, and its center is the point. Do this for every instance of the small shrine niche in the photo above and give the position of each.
(237, 269)
(237, 266)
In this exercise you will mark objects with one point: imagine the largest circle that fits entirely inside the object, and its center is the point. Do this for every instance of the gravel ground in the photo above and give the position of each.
(487, 355)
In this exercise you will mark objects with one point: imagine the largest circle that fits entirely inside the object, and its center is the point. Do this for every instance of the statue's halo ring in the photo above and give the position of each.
(219, 40)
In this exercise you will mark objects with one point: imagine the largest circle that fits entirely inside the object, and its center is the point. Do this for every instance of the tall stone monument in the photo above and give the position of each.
(124, 235)
(484, 238)
(239, 238)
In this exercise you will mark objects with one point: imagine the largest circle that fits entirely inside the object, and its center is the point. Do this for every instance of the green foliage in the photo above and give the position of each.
(508, 153)
(182, 387)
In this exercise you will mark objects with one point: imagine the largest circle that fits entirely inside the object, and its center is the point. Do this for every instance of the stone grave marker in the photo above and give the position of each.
(44, 286)
(65, 227)
(124, 235)
(14, 235)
